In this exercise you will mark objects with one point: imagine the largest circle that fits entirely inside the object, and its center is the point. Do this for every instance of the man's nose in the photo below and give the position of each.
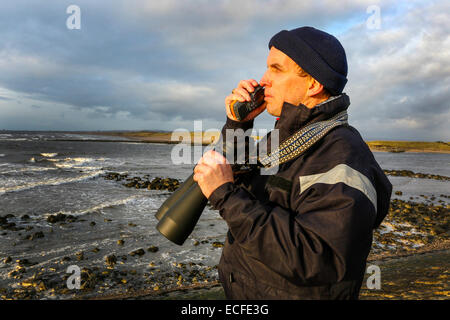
(264, 81)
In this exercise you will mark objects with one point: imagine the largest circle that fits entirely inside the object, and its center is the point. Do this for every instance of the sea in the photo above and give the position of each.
(46, 173)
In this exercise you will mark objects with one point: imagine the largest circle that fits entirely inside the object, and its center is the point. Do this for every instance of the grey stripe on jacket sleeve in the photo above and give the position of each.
(345, 174)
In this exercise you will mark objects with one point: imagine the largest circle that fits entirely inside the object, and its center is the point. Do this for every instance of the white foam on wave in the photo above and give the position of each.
(99, 207)
(50, 182)
(2, 154)
(49, 155)
(26, 169)
(72, 162)
(16, 139)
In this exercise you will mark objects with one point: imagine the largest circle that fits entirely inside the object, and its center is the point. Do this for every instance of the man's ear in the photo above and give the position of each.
(315, 87)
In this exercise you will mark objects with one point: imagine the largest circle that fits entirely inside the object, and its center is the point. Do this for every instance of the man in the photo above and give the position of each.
(305, 232)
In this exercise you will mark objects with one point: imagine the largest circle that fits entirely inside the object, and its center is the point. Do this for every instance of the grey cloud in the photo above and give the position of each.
(399, 76)
(170, 62)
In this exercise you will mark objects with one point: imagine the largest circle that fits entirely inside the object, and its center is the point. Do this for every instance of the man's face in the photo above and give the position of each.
(282, 82)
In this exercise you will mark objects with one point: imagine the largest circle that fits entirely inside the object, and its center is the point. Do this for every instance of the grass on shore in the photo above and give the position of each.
(210, 136)
(411, 146)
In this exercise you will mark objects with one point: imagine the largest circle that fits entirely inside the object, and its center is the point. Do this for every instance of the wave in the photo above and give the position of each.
(66, 163)
(49, 155)
(2, 154)
(99, 207)
(51, 182)
(77, 163)
(27, 169)
(16, 139)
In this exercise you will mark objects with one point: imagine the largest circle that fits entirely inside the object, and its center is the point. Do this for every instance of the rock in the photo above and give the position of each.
(217, 244)
(80, 255)
(95, 250)
(7, 260)
(398, 193)
(35, 235)
(139, 252)
(71, 218)
(56, 218)
(110, 260)
(152, 249)
(120, 242)
(25, 263)
(10, 226)
(92, 223)
(25, 217)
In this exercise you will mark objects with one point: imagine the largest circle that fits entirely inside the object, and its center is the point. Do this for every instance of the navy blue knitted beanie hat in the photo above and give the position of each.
(318, 53)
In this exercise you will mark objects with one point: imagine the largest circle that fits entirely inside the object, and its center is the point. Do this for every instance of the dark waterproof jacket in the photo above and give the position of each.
(306, 231)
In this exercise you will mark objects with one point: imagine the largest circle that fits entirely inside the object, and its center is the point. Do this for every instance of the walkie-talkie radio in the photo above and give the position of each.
(241, 109)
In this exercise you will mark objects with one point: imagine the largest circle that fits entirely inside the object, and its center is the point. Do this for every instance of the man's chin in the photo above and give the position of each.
(272, 112)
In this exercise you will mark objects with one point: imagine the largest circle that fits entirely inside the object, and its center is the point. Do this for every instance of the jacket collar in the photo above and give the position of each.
(293, 118)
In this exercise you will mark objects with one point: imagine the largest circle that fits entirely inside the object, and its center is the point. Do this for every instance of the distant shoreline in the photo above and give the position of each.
(409, 146)
(209, 137)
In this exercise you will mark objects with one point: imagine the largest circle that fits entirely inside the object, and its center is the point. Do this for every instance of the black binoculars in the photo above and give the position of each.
(179, 214)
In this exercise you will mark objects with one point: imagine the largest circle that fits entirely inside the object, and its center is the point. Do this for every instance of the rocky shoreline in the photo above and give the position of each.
(411, 227)
(411, 174)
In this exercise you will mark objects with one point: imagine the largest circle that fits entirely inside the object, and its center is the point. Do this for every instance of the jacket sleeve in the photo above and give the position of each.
(235, 149)
(325, 238)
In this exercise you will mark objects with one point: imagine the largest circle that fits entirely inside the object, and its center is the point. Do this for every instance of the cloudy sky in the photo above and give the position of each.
(162, 64)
